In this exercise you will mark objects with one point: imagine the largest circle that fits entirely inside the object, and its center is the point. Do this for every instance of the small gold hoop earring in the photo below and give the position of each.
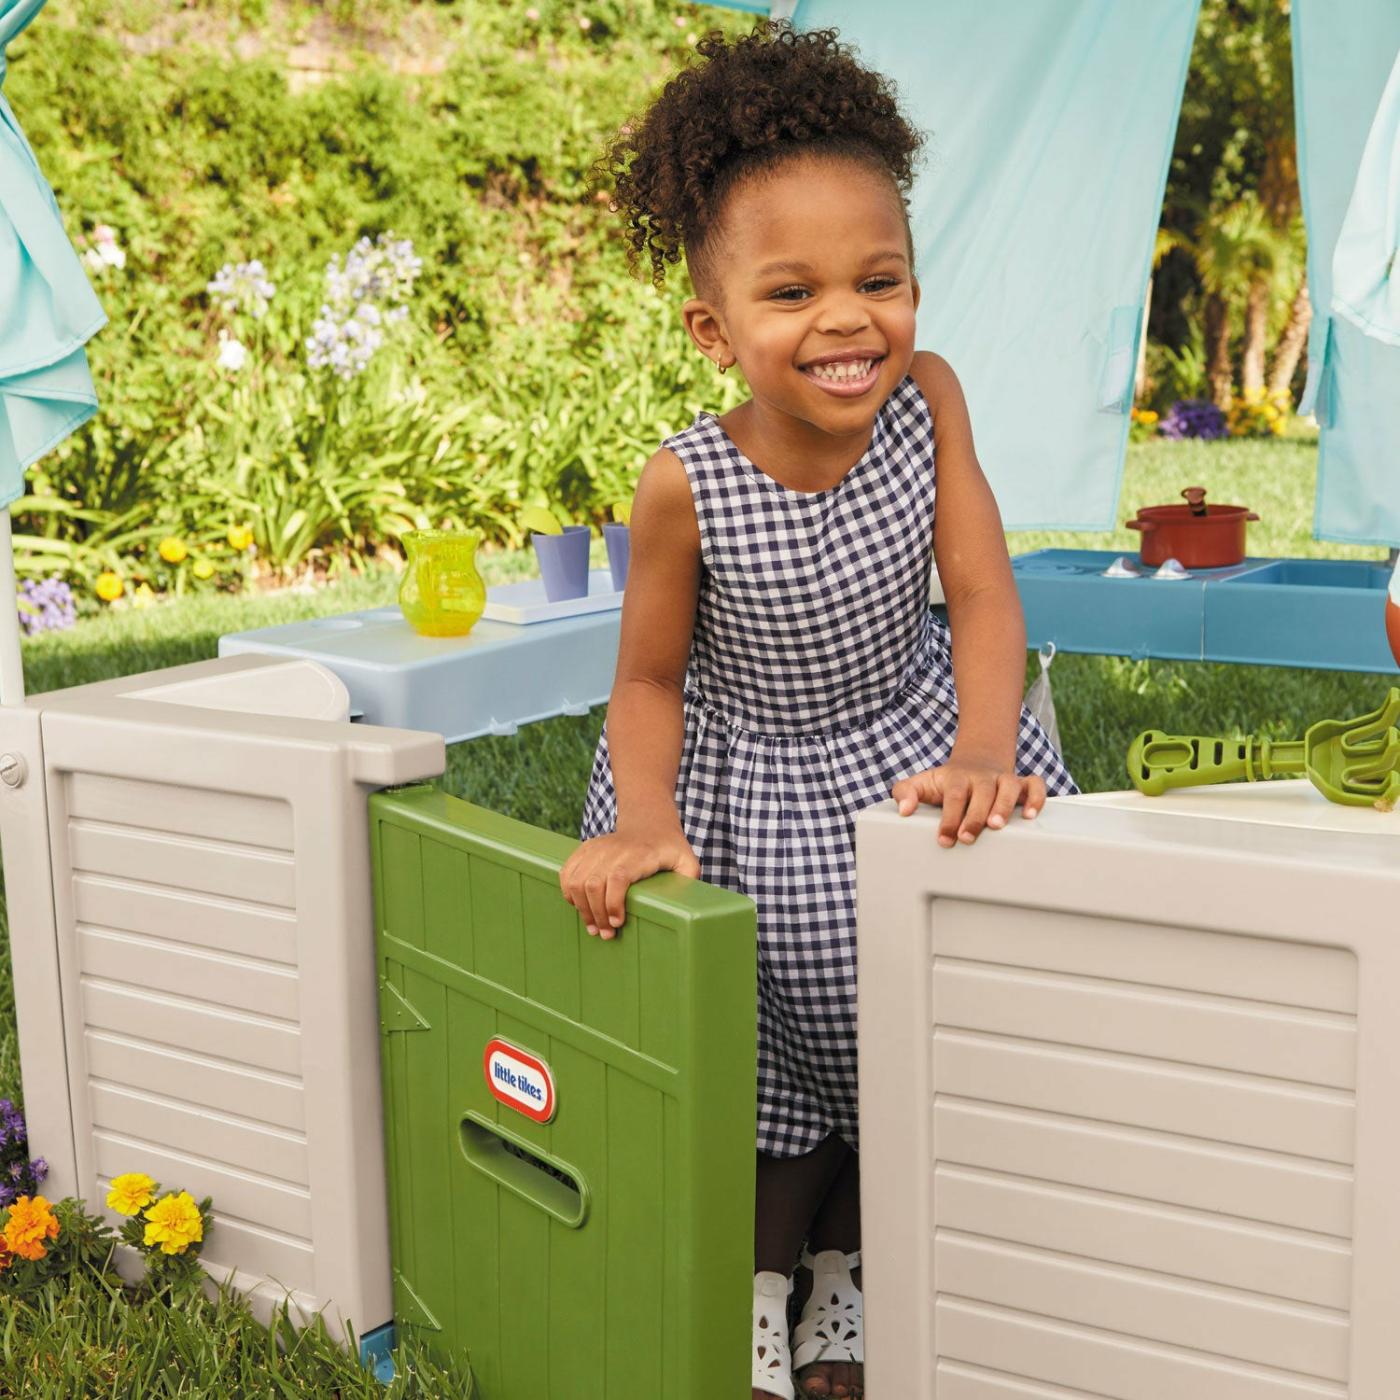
(722, 366)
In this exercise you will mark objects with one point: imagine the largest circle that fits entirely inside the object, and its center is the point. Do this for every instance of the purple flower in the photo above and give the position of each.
(7, 1197)
(45, 605)
(368, 291)
(39, 1168)
(1193, 418)
(242, 287)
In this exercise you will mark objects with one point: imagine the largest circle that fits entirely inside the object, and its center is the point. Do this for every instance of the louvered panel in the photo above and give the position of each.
(1262, 1186)
(1190, 1244)
(1187, 960)
(254, 1249)
(183, 862)
(219, 978)
(220, 1084)
(1222, 1032)
(1154, 1307)
(1143, 1138)
(958, 1382)
(250, 1195)
(1109, 1366)
(225, 925)
(186, 1127)
(1217, 1105)
(203, 1028)
(220, 816)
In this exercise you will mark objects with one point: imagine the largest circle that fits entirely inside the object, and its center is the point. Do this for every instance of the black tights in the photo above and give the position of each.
(814, 1197)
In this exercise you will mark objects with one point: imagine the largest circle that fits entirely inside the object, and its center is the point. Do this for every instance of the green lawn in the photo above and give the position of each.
(83, 1341)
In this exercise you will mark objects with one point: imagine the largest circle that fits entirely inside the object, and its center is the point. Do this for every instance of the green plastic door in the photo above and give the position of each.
(569, 1122)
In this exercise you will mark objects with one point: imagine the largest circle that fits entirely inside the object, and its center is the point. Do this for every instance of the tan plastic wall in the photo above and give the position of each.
(192, 936)
(1130, 1101)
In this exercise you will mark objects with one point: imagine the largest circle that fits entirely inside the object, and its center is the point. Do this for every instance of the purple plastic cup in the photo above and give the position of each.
(619, 542)
(564, 562)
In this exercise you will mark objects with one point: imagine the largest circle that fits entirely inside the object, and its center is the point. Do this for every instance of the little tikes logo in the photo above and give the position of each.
(519, 1080)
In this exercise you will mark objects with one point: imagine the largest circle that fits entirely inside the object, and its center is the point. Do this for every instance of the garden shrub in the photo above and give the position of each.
(533, 367)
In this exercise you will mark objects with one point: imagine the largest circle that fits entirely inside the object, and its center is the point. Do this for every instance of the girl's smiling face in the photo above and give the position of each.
(813, 294)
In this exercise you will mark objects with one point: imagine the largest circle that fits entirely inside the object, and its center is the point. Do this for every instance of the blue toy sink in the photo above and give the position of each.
(1318, 573)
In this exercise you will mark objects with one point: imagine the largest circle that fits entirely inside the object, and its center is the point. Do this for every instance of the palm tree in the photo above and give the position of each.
(1241, 257)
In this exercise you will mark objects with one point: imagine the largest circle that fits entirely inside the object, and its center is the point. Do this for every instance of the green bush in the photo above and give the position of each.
(532, 366)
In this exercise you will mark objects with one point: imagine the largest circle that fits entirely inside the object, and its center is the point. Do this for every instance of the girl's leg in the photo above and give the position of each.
(788, 1192)
(835, 1226)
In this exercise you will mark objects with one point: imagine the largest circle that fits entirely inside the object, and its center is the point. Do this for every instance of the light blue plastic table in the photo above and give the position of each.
(498, 677)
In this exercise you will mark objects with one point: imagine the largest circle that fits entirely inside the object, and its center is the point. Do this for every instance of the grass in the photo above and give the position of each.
(83, 1340)
(92, 1339)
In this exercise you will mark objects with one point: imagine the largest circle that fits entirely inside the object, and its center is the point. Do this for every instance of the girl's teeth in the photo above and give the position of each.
(847, 369)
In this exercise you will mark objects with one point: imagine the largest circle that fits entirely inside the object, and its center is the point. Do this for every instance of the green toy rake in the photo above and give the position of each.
(1356, 761)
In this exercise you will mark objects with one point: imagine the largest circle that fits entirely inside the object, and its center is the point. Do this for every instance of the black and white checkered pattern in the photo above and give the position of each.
(818, 677)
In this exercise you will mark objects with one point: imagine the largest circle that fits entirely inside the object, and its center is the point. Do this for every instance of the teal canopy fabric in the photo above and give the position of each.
(1051, 126)
(47, 308)
(1344, 56)
(1366, 265)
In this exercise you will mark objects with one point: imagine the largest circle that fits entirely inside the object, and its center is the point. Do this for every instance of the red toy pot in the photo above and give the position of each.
(1196, 535)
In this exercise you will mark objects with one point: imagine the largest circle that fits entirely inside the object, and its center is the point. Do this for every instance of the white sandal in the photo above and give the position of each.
(832, 1327)
(772, 1360)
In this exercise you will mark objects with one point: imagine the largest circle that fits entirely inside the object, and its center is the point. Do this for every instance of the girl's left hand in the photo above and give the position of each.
(973, 794)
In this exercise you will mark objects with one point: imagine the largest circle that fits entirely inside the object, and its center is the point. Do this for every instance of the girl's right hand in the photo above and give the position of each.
(595, 878)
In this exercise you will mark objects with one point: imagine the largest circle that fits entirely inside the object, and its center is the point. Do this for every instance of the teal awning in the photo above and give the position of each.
(1366, 265)
(47, 310)
(1344, 55)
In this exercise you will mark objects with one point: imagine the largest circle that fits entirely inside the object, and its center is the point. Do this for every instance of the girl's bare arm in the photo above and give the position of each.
(978, 785)
(645, 719)
(645, 714)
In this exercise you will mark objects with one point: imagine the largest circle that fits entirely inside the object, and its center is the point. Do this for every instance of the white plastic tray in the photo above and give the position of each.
(525, 601)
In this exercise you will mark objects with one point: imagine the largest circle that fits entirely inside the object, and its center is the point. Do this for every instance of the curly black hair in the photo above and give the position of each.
(748, 106)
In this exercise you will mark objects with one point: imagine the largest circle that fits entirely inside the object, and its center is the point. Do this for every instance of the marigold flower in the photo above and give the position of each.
(131, 1192)
(109, 587)
(240, 536)
(31, 1222)
(173, 550)
(202, 568)
(174, 1223)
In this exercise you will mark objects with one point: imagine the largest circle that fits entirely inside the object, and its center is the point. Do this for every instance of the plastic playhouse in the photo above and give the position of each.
(569, 1121)
(1141, 1140)
(187, 868)
(1129, 1086)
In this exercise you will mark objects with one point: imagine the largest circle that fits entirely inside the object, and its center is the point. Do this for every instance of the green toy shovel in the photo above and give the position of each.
(1356, 761)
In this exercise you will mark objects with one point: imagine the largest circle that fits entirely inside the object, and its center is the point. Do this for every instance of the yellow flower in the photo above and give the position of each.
(109, 587)
(174, 1223)
(202, 568)
(144, 596)
(240, 536)
(131, 1192)
(173, 551)
(31, 1222)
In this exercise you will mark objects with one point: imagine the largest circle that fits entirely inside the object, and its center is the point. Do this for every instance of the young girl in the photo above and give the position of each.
(779, 667)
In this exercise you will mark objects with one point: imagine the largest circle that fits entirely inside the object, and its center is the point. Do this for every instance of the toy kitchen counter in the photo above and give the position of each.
(1326, 613)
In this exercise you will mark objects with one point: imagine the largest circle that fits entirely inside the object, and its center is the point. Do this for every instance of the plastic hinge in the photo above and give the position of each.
(414, 1312)
(396, 1012)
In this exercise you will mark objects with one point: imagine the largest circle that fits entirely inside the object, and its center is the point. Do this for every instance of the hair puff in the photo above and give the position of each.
(747, 105)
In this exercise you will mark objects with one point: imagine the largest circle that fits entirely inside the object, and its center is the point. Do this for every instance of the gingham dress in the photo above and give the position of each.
(818, 676)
